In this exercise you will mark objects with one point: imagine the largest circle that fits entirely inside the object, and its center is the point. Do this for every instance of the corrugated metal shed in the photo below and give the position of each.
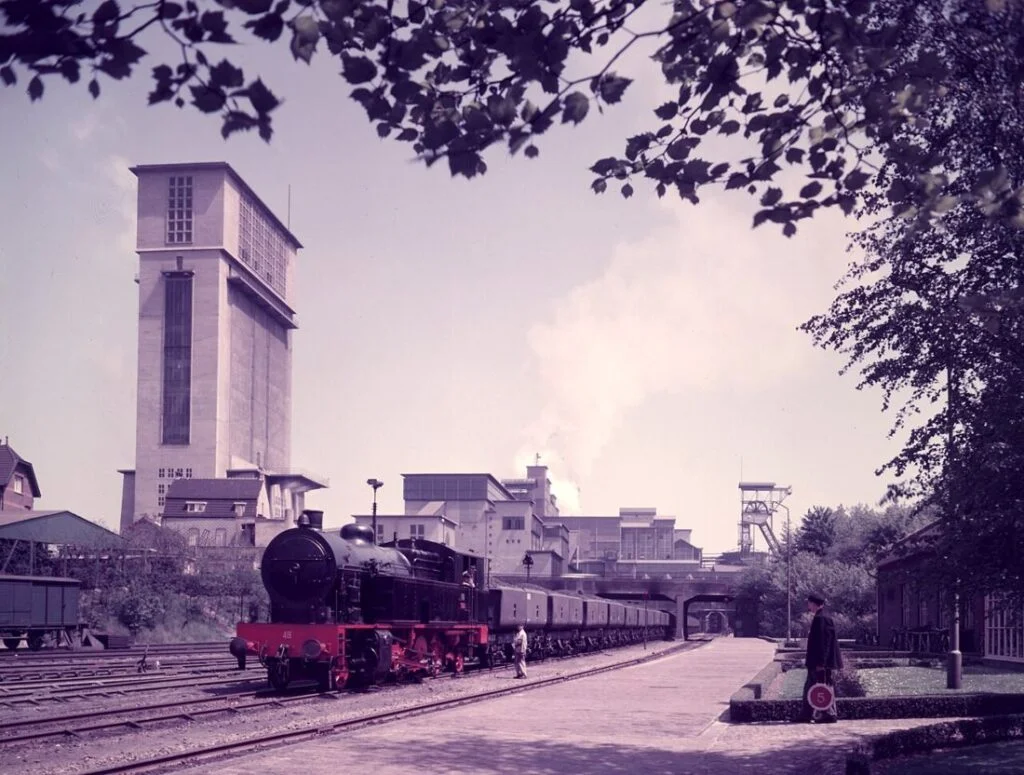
(55, 527)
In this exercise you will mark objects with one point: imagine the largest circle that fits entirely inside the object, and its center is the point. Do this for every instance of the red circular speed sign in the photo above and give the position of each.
(821, 696)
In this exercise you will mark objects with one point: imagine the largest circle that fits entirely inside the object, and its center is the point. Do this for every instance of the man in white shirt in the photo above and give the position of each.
(519, 643)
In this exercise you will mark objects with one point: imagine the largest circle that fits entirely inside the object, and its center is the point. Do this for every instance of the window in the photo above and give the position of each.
(193, 537)
(261, 246)
(417, 531)
(1004, 630)
(513, 523)
(179, 210)
(239, 508)
(380, 533)
(195, 507)
(160, 500)
(188, 473)
(220, 537)
(177, 396)
(161, 489)
(18, 487)
(160, 474)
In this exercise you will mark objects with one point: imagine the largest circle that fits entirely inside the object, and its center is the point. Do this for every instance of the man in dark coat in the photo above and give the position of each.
(823, 658)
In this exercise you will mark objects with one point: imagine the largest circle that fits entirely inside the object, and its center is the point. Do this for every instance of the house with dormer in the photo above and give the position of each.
(18, 485)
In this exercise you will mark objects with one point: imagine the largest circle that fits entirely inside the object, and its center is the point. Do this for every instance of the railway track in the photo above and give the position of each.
(18, 667)
(94, 689)
(311, 731)
(76, 724)
(136, 650)
(35, 681)
(119, 687)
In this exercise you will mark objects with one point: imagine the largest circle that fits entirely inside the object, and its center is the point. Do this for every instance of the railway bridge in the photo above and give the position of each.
(703, 601)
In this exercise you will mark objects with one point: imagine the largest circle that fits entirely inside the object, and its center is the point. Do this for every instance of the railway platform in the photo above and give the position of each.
(667, 716)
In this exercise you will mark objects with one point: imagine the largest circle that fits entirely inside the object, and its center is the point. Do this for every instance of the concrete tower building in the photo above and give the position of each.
(215, 279)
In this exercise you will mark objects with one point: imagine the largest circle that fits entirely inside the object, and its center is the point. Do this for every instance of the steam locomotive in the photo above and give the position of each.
(345, 612)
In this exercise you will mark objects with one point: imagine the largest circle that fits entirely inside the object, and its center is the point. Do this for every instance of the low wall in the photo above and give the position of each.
(744, 708)
(949, 734)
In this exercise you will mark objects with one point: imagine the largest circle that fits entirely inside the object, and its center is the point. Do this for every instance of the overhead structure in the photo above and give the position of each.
(758, 503)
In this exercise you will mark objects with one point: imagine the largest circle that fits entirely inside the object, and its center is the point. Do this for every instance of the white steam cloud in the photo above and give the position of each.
(703, 305)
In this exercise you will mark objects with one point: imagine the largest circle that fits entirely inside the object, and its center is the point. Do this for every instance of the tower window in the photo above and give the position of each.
(177, 396)
(179, 210)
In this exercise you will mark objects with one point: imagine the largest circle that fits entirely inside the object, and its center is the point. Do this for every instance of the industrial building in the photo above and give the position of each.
(215, 326)
(516, 523)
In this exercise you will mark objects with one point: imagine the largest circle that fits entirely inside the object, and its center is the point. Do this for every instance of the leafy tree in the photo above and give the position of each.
(817, 533)
(933, 317)
(827, 89)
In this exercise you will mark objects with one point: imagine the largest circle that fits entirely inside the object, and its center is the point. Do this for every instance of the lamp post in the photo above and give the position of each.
(376, 484)
(528, 562)
(789, 578)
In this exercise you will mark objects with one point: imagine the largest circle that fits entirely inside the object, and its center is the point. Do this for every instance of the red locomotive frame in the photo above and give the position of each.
(325, 652)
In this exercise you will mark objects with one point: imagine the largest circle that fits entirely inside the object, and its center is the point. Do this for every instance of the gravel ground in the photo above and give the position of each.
(119, 746)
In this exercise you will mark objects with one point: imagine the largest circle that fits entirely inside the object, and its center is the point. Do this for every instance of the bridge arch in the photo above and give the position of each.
(705, 597)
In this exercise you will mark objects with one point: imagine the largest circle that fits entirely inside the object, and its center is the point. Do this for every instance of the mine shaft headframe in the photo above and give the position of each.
(758, 503)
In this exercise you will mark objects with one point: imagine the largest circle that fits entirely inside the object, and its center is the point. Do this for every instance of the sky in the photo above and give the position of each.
(646, 349)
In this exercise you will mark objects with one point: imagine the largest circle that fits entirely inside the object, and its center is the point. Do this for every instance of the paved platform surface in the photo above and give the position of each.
(667, 716)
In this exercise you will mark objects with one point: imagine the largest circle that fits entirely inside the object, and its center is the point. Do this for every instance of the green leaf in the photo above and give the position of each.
(269, 27)
(576, 106)
(35, 88)
(856, 180)
(730, 127)
(627, 190)
(94, 88)
(612, 87)
(208, 100)
(811, 190)
(789, 229)
(170, 10)
(305, 37)
(8, 76)
(106, 13)
(358, 69)
(599, 185)
(531, 152)
(253, 7)
(736, 180)
(262, 99)
(771, 197)
(226, 76)
(668, 111)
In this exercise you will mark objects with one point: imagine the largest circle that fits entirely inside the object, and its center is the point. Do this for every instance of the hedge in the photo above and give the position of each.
(744, 709)
(949, 734)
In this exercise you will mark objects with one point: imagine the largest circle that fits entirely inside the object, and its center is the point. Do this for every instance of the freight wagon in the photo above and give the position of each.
(38, 609)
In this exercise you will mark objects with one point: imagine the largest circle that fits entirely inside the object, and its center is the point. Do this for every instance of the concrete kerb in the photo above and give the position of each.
(754, 689)
(949, 734)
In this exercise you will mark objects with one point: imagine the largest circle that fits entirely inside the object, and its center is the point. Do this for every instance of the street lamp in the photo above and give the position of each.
(789, 578)
(376, 484)
(528, 562)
